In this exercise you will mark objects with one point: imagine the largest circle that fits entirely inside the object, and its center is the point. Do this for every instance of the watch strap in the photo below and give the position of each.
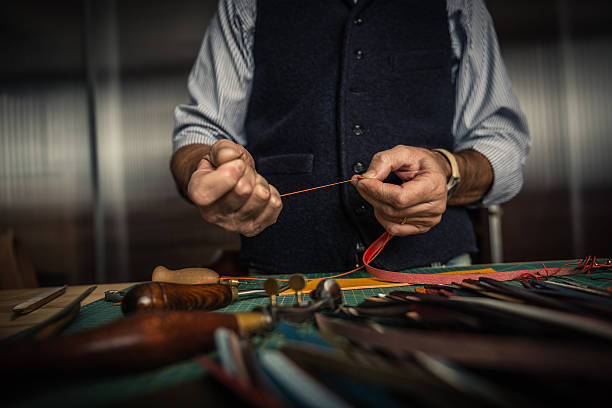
(455, 176)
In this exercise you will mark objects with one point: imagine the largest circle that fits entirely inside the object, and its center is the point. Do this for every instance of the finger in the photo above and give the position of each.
(422, 210)
(236, 198)
(246, 185)
(407, 229)
(257, 202)
(262, 181)
(224, 151)
(378, 193)
(424, 188)
(424, 221)
(206, 187)
(410, 227)
(268, 216)
(261, 188)
(385, 162)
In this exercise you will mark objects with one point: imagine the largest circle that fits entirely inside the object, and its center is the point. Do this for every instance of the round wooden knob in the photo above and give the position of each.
(297, 282)
(186, 275)
(271, 286)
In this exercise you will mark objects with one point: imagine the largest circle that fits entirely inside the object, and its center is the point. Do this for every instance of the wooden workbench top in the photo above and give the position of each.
(12, 297)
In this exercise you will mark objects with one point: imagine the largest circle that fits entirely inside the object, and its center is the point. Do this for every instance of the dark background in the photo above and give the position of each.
(87, 90)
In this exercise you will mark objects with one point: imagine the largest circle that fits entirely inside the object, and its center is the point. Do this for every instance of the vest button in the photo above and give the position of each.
(359, 54)
(359, 250)
(361, 210)
(358, 21)
(358, 168)
(357, 130)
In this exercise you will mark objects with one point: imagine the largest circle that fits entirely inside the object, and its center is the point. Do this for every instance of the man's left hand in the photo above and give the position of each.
(416, 205)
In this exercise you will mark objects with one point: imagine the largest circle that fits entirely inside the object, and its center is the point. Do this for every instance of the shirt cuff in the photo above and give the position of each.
(189, 137)
(507, 163)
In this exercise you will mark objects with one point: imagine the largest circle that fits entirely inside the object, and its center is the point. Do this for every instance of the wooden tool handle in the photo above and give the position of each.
(141, 341)
(177, 296)
(187, 275)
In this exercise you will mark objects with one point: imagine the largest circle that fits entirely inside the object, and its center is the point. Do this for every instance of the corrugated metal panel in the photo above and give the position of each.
(44, 139)
(147, 122)
(536, 77)
(543, 90)
(593, 104)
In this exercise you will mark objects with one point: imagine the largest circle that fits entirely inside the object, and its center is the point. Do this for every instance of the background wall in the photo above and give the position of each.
(559, 55)
(87, 90)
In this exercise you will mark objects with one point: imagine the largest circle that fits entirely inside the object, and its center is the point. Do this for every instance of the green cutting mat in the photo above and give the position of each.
(356, 296)
(106, 391)
(101, 312)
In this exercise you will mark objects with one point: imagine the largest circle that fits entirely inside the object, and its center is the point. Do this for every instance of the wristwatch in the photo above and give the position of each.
(455, 177)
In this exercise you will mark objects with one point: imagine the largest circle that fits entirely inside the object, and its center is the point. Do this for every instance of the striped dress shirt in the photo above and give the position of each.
(487, 118)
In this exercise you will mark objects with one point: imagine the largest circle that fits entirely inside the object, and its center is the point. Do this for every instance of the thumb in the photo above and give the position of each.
(381, 165)
(399, 160)
(225, 151)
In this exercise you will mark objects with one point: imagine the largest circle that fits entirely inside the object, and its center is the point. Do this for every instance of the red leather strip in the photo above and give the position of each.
(444, 278)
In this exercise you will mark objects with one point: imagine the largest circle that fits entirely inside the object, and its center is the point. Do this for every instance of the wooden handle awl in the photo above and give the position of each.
(177, 296)
(186, 275)
(141, 341)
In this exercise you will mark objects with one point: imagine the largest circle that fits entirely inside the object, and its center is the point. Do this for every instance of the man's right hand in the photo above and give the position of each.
(230, 193)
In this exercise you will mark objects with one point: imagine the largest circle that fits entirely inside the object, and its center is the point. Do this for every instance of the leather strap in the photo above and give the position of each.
(443, 277)
(455, 177)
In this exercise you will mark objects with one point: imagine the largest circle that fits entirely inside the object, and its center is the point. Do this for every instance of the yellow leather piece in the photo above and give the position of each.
(485, 270)
(364, 283)
(358, 283)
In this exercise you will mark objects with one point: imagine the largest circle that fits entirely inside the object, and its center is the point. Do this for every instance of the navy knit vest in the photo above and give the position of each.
(333, 85)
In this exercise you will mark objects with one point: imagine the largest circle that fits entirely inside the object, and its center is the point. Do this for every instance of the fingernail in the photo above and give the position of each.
(227, 151)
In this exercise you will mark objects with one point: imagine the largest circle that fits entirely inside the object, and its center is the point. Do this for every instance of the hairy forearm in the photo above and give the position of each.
(476, 177)
(476, 172)
(184, 162)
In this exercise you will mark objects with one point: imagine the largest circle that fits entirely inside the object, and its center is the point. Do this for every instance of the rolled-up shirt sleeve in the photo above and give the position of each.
(488, 117)
(220, 81)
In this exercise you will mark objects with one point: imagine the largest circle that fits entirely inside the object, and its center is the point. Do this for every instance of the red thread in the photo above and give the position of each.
(590, 264)
(538, 275)
(586, 265)
(315, 188)
(285, 280)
